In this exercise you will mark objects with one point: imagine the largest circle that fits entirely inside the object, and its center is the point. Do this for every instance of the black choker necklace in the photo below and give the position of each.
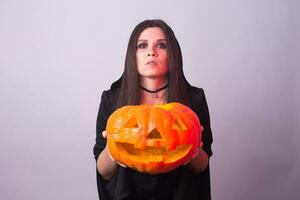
(155, 91)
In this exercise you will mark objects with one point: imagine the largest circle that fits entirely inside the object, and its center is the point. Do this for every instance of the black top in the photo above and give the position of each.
(179, 184)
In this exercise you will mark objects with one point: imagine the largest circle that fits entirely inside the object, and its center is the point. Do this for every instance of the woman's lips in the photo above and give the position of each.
(151, 63)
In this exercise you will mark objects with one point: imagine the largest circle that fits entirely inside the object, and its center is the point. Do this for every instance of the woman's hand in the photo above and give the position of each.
(104, 134)
(199, 162)
(106, 165)
(194, 155)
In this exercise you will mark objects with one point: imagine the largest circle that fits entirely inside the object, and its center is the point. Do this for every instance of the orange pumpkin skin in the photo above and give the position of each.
(153, 138)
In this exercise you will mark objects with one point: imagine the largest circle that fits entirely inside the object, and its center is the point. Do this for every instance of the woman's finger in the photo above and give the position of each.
(104, 134)
(121, 164)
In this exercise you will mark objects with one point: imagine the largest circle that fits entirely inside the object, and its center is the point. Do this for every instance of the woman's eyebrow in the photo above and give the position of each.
(144, 40)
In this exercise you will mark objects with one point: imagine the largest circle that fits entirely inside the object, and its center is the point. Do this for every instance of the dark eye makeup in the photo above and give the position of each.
(162, 45)
(143, 45)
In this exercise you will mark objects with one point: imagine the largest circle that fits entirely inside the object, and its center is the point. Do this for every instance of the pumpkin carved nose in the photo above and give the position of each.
(154, 134)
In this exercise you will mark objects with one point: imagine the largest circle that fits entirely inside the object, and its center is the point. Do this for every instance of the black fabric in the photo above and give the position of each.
(180, 184)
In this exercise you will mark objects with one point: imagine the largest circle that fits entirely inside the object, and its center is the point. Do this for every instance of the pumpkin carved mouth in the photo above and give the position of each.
(151, 154)
(154, 150)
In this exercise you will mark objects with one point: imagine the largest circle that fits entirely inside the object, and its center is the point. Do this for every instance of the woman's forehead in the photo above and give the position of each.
(154, 33)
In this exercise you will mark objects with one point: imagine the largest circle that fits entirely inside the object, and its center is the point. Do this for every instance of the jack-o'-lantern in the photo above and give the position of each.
(153, 138)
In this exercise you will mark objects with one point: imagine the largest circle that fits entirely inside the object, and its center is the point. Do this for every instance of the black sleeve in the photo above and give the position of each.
(199, 187)
(199, 106)
(204, 118)
(103, 114)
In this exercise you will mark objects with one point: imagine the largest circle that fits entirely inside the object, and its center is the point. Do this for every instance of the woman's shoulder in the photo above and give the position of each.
(196, 93)
(197, 98)
(111, 95)
(114, 88)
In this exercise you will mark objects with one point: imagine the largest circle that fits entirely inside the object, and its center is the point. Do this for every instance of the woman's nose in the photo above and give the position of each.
(152, 52)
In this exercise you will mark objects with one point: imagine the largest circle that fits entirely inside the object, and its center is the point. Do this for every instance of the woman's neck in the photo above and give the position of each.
(153, 84)
(147, 96)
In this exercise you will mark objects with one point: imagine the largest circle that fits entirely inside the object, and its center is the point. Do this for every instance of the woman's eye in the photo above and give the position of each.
(142, 45)
(162, 45)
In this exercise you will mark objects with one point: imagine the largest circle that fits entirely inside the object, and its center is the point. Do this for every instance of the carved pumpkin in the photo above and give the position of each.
(153, 138)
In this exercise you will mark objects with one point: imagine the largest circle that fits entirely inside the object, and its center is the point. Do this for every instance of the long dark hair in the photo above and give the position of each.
(178, 85)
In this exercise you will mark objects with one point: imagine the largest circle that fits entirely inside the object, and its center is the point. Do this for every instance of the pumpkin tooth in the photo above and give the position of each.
(155, 143)
(154, 159)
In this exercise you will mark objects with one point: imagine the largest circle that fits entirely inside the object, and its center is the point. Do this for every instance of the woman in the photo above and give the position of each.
(153, 74)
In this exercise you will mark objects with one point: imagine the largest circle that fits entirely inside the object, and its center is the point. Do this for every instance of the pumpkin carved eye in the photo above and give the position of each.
(178, 125)
(131, 123)
(153, 138)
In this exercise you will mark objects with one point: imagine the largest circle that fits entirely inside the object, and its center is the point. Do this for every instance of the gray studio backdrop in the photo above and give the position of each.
(57, 56)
